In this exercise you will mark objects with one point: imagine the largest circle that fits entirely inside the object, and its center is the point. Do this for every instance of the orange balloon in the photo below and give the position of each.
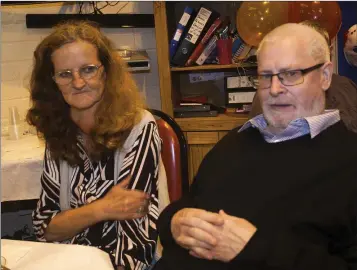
(327, 14)
(255, 19)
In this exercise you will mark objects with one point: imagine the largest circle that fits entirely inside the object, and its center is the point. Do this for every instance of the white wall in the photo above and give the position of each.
(18, 44)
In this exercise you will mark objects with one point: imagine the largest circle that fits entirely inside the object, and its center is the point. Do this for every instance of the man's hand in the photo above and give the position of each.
(233, 237)
(195, 228)
(123, 204)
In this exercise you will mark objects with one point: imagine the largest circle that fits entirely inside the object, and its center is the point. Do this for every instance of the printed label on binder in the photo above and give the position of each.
(198, 25)
(178, 34)
(184, 19)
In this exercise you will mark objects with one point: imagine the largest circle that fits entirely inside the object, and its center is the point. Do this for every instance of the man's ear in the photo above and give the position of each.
(326, 78)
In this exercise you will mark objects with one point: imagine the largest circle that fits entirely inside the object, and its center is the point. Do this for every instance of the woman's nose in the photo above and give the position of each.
(78, 81)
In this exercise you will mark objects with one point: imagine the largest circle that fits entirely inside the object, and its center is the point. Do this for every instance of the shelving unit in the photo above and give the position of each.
(223, 122)
(202, 133)
(212, 67)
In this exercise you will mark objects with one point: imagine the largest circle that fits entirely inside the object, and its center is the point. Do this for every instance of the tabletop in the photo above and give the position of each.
(21, 168)
(21, 255)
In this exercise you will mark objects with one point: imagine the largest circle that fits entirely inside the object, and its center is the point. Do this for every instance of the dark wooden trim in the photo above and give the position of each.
(162, 51)
(104, 20)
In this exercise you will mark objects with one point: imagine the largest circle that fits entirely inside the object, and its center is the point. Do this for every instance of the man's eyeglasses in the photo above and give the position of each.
(287, 78)
(65, 77)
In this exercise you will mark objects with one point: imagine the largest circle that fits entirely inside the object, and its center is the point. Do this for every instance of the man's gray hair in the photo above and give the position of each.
(316, 43)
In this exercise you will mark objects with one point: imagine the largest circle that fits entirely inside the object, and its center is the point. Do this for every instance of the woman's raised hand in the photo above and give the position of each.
(123, 204)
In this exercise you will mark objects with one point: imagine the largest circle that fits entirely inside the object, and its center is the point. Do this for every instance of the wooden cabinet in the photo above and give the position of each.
(200, 143)
(201, 133)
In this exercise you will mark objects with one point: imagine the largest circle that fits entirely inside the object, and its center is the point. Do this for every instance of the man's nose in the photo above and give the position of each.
(276, 87)
(78, 81)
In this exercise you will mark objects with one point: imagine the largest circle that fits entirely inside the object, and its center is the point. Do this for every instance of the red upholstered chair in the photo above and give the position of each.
(174, 154)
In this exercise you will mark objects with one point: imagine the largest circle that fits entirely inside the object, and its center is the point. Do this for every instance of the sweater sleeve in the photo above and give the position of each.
(48, 205)
(164, 223)
(187, 201)
(280, 248)
(137, 238)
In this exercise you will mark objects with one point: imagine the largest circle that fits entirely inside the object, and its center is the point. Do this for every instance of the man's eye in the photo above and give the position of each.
(64, 74)
(290, 73)
(264, 77)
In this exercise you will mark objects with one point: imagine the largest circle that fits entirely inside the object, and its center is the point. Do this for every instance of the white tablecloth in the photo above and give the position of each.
(21, 255)
(21, 168)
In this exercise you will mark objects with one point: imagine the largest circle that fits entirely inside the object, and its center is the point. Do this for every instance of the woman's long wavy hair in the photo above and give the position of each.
(117, 113)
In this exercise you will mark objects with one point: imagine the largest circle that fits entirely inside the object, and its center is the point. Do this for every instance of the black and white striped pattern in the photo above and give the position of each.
(131, 243)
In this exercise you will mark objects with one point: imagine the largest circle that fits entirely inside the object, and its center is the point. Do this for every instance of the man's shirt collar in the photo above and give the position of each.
(312, 125)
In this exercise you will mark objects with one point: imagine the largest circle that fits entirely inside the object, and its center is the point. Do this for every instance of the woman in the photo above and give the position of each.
(86, 106)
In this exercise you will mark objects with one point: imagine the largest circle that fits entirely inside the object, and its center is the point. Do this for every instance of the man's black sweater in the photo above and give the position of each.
(301, 195)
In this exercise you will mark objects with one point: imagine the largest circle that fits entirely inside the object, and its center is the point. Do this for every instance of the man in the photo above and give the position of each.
(341, 95)
(279, 193)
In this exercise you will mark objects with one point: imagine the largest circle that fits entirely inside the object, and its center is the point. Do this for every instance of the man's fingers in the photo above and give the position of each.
(221, 212)
(194, 254)
(200, 224)
(202, 253)
(210, 217)
(202, 236)
(190, 242)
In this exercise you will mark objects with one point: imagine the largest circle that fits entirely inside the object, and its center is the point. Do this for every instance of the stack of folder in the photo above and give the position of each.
(195, 38)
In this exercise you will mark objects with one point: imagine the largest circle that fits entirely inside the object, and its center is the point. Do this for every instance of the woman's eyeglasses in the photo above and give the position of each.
(287, 78)
(65, 77)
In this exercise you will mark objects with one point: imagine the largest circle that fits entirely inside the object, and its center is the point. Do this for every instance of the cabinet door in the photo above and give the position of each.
(199, 144)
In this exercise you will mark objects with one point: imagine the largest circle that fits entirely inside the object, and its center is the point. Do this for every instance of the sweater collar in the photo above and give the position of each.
(312, 125)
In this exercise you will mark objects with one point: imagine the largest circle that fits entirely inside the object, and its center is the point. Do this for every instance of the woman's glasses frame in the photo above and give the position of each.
(87, 72)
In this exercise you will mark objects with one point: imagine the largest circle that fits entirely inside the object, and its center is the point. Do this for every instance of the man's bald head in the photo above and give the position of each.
(310, 40)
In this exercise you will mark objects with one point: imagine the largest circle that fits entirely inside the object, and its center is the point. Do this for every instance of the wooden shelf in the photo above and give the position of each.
(210, 67)
(222, 122)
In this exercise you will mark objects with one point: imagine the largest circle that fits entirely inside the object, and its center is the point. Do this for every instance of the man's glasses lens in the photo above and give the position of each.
(287, 78)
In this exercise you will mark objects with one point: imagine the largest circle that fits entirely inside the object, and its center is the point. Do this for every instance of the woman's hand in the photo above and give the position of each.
(123, 204)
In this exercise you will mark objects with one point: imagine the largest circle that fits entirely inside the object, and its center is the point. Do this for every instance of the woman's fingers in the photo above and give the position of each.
(125, 182)
(124, 204)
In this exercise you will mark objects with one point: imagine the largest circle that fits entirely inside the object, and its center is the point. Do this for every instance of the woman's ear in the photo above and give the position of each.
(326, 78)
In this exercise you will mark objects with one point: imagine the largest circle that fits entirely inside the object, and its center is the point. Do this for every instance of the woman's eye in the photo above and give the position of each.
(65, 74)
(89, 69)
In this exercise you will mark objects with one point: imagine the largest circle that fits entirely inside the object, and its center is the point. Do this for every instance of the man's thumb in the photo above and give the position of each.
(221, 212)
